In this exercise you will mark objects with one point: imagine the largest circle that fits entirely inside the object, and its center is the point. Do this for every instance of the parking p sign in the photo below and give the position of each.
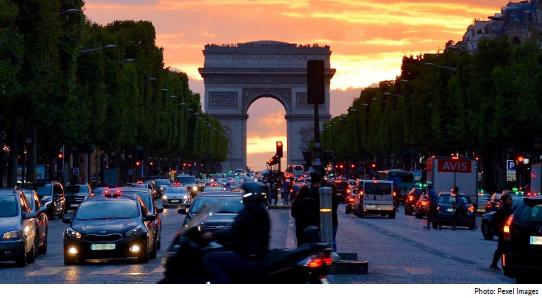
(510, 165)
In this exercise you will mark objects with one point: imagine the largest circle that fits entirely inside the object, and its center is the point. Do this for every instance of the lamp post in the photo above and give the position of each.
(27, 141)
(455, 69)
(107, 47)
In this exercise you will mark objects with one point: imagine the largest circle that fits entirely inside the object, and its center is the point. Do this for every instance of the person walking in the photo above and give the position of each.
(334, 207)
(497, 224)
(305, 211)
(315, 187)
(460, 209)
(432, 213)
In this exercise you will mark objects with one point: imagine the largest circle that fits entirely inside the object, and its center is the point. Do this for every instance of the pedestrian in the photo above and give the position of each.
(460, 209)
(315, 187)
(285, 190)
(334, 207)
(432, 213)
(305, 211)
(497, 224)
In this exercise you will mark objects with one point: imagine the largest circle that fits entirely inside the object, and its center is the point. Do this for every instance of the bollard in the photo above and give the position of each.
(326, 217)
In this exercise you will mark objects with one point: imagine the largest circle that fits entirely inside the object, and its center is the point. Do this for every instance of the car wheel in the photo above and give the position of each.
(152, 255)
(145, 257)
(391, 215)
(20, 261)
(486, 231)
(43, 249)
(31, 256)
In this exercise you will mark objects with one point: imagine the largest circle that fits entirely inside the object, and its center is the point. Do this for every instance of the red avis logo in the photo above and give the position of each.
(457, 166)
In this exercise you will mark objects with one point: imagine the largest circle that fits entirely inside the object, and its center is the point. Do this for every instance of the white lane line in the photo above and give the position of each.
(46, 271)
(160, 269)
(108, 270)
(418, 270)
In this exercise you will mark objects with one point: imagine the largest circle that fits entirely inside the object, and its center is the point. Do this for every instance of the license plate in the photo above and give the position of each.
(70, 211)
(450, 210)
(74, 205)
(102, 246)
(536, 240)
(174, 201)
(370, 206)
(339, 193)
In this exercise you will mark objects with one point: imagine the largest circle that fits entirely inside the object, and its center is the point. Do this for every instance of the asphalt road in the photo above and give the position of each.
(398, 251)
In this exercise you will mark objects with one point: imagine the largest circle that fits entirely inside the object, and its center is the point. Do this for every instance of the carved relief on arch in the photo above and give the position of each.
(227, 132)
(223, 100)
(284, 95)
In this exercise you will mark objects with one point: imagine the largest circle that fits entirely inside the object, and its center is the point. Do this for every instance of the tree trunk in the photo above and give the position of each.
(12, 160)
(32, 156)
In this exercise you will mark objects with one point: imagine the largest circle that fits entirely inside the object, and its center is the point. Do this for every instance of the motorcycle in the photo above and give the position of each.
(184, 259)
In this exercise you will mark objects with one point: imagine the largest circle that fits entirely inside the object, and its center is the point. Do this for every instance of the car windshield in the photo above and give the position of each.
(210, 188)
(372, 188)
(76, 189)
(107, 209)
(44, 190)
(162, 181)
(187, 180)
(144, 195)
(228, 205)
(8, 207)
(176, 190)
(449, 199)
(531, 214)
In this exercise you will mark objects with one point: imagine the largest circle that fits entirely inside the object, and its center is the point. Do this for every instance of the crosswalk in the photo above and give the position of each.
(117, 270)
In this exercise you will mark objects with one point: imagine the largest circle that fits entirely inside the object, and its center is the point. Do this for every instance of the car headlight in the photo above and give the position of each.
(134, 232)
(12, 235)
(185, 197)
(161, 188)
(73, 233)
(195, 188)
(164, 197)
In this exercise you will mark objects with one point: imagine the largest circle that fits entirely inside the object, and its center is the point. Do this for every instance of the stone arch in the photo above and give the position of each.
(282, 95)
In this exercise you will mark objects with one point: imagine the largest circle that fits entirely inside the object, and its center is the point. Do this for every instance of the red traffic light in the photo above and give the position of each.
(352, 166)
(184, 164)
(151, 163)
(520, 159)
(60, 155)
(373, 165)
(341, 166)
(138, 163)
(279, 151)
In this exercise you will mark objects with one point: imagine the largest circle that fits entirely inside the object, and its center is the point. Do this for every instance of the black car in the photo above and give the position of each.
(342, 189)
(411, 199)
(231, 204)
(109, 227)
(523, 237)
(52, 196)
(146, 196)
(487, 230)
(446, 202)
(42, 221)
(75, 194)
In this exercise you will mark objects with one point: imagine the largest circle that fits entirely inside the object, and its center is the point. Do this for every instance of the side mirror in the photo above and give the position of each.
(150, 217)
(159, 209)
(29, 215)
(67, 218)
(42, 209)
(181, 210)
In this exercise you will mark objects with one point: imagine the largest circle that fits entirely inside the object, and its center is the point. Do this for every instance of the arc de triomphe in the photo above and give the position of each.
(237, 75)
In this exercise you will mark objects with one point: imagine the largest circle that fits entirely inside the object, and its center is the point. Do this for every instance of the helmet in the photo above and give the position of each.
(429, 186)
(254, 192)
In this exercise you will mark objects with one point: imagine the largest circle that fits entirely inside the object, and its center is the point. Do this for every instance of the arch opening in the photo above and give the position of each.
(266, 125)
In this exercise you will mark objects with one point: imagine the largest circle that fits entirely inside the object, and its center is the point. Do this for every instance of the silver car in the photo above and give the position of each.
(176, 196)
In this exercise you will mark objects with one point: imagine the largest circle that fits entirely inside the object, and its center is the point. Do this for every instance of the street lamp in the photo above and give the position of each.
(366, 104)
(150, 79)
(379, 100)
(443, 67)
(128, 61)
(173, 96)
(70, 11)
(107, 47)
(394, 95)
(181, 104)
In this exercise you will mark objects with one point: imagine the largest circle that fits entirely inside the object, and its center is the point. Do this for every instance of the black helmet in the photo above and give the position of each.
(429, 186)
(254, 192)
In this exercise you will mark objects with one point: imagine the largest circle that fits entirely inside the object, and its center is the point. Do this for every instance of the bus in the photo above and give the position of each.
(297, 170)
(405, 180)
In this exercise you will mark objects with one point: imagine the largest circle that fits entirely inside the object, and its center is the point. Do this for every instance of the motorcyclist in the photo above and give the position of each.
(249, 236)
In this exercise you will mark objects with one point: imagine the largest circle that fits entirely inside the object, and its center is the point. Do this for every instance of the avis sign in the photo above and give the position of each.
(454, 166)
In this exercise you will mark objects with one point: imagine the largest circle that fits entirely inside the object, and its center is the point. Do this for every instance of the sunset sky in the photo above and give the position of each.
(367, 38)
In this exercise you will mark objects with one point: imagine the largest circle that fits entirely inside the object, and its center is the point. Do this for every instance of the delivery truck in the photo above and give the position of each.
(446, 172)
(536, 174)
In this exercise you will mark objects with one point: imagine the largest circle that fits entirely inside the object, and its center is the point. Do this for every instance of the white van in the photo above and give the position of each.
(375, 197)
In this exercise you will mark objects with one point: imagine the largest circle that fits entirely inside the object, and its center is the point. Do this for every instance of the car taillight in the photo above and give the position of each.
(351, 200)
(361, 192)
(394, 194)
(410, 198)
(470, 209)
(424, 203)
(348, 190)
(438, 208)
(506, 228)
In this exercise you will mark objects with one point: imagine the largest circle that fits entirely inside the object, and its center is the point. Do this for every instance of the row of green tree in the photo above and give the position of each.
(67, 81)
(485, 105)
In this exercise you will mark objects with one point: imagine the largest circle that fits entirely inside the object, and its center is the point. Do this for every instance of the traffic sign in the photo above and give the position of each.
(130, 172)
(510, 165)
(417, 174)
(76, 171)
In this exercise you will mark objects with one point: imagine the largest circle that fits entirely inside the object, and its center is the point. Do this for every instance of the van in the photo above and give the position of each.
(375, 197)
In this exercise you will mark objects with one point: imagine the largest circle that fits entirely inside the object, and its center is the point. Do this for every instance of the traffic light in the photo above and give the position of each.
(151, 163)
(279, 149)
(60, 155)
(373, 166)
(520, 159)
(138, 163)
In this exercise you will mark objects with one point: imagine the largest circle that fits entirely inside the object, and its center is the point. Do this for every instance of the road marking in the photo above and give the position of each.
(418, 270)
(399, 238)
(108, 270)
(389, 233)
(160, 269)
(46, 271)
(380, 230)
(413, 243)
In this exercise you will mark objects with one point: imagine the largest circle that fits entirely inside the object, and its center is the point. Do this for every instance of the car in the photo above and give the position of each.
(150, 203)
(492, 203)
(349, 202)
(375, 197)
(162, 184)
(522, 258)
(213, 188)
(109, 226)
(487, 230)
(445, 209)
(19, 240)
(412, 198)
(154, 187)
(75, 194)
(42, 221)
(52, 196)
(177, 196)
(422, 206)
(190, 182)
(483, 198)
(231, 204)
(342, 189)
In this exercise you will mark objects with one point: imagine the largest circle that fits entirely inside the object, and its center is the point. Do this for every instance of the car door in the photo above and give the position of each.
(151, 235)
(28, 224)
(58, 196)
(41, 218)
